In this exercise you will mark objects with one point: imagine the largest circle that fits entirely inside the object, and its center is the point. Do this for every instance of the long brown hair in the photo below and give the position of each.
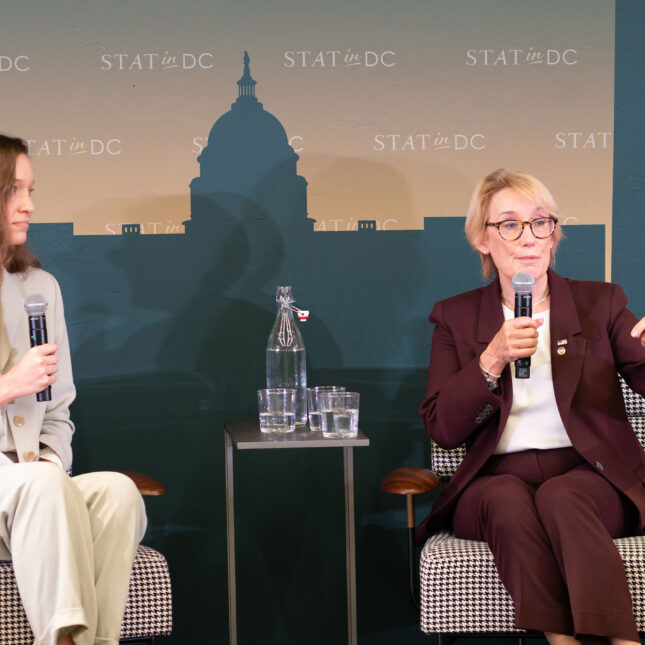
(14, 258)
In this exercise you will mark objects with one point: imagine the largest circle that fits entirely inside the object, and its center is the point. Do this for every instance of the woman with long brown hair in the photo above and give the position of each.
(71, 540)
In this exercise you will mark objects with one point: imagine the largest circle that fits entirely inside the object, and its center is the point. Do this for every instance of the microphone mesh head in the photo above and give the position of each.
(523, 283)
(36, 305)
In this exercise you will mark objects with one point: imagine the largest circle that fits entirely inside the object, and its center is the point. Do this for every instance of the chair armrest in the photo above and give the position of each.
(147, 486)
(409, 480)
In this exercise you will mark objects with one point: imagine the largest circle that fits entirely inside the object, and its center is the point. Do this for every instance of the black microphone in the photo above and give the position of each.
(523, 285)
(36, 306)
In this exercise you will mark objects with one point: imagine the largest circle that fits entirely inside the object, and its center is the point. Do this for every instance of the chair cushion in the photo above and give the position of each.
(148, 611)
(446, 462)
(461, 591)
(634, 403)
(14, 627)
(460, 588)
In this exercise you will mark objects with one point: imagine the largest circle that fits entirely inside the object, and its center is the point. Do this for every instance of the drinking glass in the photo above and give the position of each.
(339, 414)
(277, 409)
(313, 403)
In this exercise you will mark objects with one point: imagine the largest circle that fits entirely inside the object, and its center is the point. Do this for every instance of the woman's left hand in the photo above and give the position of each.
(639, 331)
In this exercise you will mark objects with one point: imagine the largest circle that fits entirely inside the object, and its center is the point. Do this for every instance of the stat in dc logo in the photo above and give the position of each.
(429, 141)
(344, 58)
(522, 57)
(296, 141)
(156, 61)
(14, 63)
(584, 140)
(74, 146)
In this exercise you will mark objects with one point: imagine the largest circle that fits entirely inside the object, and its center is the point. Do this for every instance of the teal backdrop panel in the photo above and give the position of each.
(628, 267)
(168, 339)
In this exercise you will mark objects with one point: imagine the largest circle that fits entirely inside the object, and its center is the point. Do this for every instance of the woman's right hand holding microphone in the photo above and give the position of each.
(31, 374)
(516, 338)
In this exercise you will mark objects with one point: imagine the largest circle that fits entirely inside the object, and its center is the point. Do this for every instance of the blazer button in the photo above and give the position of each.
(30, 455)
(19, 421)
(599, 466)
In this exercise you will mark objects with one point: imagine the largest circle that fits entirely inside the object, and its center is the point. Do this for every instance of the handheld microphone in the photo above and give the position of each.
(36, 306)
(523, 285)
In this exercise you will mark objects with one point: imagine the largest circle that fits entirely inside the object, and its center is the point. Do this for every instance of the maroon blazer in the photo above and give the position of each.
(593, 320)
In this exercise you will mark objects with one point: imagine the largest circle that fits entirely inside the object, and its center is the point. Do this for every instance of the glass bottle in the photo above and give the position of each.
(286, 357)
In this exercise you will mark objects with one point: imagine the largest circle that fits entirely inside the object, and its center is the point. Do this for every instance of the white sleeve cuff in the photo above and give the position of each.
(47, 453)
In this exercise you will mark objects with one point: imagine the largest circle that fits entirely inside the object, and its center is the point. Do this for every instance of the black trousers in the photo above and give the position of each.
(549, 519)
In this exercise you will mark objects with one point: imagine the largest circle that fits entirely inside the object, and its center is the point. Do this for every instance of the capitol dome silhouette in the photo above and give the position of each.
(247, 147)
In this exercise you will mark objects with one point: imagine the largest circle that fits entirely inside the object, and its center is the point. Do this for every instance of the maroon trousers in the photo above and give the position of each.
(549, 519)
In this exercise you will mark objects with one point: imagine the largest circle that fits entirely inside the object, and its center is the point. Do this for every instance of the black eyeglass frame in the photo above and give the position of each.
(524, 223)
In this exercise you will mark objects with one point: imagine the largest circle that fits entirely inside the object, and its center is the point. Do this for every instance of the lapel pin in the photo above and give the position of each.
(564, 341)
(562, 351)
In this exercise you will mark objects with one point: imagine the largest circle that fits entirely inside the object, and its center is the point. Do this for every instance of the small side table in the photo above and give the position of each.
(246, 435)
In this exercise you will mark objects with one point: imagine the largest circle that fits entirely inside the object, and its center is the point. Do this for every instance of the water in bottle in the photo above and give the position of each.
(286, 364)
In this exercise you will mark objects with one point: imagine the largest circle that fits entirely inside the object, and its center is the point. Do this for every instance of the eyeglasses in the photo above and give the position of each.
(512, 229)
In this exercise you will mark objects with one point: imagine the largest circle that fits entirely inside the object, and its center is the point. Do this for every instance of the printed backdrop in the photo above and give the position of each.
(395, 109)
(179, 181)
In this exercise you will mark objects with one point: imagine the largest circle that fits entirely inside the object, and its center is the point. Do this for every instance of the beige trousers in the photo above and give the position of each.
(72, 541)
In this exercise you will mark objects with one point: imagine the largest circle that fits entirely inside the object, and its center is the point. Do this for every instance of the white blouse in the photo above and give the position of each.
(534, 421)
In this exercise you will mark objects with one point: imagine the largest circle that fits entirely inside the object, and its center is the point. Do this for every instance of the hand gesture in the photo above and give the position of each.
(517, 338)
(639, 331)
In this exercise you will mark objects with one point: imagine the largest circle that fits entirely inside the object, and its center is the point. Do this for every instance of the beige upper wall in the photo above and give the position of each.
(396, 111)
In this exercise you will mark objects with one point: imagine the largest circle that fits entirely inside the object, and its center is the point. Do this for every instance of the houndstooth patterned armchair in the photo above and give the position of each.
(460, 591)
(148, 612)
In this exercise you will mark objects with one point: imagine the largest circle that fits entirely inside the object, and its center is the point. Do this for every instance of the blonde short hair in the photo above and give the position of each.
(477, 216)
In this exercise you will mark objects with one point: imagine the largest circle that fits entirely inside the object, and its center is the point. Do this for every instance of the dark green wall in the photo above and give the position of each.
(168, 341)
(168, 336)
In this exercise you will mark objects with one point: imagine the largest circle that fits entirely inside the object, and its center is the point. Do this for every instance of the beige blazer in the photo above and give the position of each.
(38, 427)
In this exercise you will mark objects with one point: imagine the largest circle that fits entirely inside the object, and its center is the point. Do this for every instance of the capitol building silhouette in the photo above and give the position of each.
(369, 291)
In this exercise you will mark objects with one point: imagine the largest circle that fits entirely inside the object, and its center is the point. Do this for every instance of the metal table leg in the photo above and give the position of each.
(230, 542)
(350, 544)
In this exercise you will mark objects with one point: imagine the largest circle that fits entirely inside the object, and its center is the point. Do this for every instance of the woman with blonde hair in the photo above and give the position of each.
(553, 470)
